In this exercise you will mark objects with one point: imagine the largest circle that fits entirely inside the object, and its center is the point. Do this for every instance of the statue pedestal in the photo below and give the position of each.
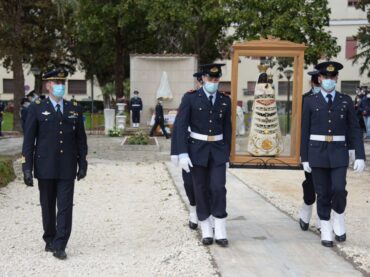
(108, 120)
(120, 122)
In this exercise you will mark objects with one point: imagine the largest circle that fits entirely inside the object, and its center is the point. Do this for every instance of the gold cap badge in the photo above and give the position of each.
(214, 69)
(330, 68)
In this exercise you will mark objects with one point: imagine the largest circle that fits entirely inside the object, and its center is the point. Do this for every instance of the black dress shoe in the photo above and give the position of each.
(222, 242)
(341, 238)
(207, 241)
(49, 247)
(327, 243)
(304, 225)
(60, 254)
(193, 225)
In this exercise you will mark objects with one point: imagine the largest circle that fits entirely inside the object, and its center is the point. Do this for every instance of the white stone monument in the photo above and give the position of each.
(108, 120)
(120, 117)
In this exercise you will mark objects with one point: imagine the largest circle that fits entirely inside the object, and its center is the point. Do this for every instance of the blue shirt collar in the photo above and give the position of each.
(61, 102)
(325, 93)
(208, 95)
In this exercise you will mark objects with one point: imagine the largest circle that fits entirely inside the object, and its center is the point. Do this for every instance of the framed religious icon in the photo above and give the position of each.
(266, 93)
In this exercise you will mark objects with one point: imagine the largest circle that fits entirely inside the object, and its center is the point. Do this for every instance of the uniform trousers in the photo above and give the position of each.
(330, 186)
(57, 226)
(161, 124)
(210, 190)
(135, 116)
(188, 185)
(309, 195)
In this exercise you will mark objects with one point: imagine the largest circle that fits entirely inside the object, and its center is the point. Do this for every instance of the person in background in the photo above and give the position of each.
(23, 112)
(2, 108)
(186, 176)
(359, 96)
(365, 110)
(136, 106)
(159, 119)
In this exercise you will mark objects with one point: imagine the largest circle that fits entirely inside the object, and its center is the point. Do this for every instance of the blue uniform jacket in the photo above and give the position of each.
(340, 120)
(203, 118)
(136, 104)
(53, 147)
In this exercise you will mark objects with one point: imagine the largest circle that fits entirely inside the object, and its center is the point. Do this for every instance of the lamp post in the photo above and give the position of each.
(36, 72)
(288, 74)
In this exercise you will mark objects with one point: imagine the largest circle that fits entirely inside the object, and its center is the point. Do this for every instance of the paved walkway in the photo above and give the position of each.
(266, 242)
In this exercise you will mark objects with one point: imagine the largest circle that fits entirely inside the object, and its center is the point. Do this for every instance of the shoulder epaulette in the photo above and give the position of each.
(191, 91)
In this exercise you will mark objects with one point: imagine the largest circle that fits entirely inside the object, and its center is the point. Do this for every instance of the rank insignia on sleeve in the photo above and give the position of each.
(23, 160)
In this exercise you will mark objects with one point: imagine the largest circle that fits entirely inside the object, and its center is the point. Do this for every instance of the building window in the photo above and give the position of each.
(349, 87)
(351, 47)
(250, 89)
(283, 88)
(76, 87)
(352, 3)
(8, 86)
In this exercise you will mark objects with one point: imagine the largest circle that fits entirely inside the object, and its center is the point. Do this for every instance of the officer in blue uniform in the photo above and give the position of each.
(23, 112)
(309, 196)
(55, 149)
(208, 114)
(186, 176)
(159, 119)
(136, 106)
(329, 124)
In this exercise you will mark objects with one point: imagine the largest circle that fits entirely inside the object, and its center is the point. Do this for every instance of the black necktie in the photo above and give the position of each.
(210, 100)
(59, 112)
(330, 101)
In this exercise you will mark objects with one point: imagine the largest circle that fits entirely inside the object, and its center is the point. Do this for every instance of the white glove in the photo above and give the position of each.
(306, 167)
(359, 165)
(185, 162)
(175, 160)
(351, 154)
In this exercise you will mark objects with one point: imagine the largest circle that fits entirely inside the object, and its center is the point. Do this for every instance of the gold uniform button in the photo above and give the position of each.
(210, 121)
(61, 141)
(61, 132)
(210, 131)
(60, 123)
(329, 131)
(210, 112)
(329, 121)
(61, 151)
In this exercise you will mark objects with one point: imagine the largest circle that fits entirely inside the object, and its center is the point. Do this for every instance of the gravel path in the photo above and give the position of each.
(128, 221)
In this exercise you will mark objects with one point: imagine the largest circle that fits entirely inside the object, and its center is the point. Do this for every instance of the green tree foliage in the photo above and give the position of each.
(31, 33)
(191, 27)
(105, 32)
(300, 21)
(363, 38)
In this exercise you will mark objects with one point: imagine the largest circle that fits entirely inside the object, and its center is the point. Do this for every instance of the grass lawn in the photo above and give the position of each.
(7, 122)
(6, 171)
(98, 121)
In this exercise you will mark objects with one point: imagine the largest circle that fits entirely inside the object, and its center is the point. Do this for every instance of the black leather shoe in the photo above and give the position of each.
(49, 247)
(327, 243)
(207, 241)
(60, 254)
(304, 225)
(222, 242)
(341, 238)
(193, 225)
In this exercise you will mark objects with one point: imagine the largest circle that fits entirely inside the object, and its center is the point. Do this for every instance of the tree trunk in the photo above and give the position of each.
(118, 67)
(18, 90)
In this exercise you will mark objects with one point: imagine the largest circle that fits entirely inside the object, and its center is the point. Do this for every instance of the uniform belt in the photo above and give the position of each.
(205, 137)
(327, 138)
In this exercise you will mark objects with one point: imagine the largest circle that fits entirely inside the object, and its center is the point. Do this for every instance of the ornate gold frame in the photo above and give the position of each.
(276, 48)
